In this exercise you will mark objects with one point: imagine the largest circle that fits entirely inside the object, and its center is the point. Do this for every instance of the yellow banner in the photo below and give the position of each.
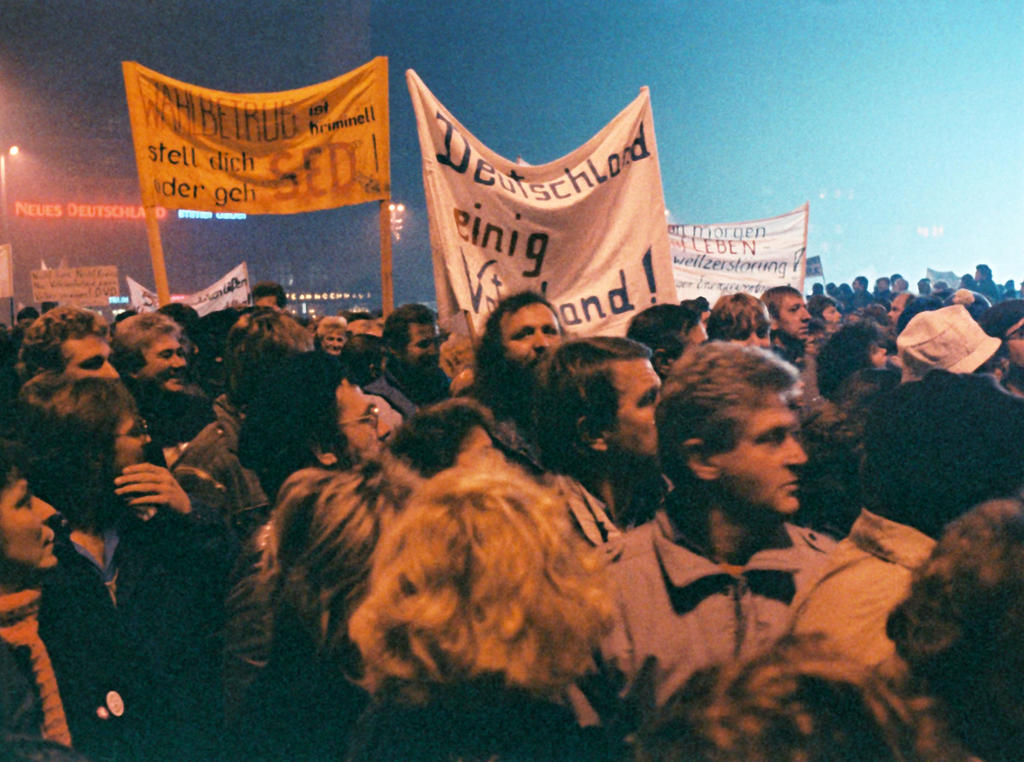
(317, 147)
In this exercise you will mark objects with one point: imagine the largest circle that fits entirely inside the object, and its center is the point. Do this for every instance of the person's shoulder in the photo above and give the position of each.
(632, 544)
(810, 540)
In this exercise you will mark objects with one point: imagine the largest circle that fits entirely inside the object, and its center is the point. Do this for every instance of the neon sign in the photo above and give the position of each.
(74, 210)
(308, 296)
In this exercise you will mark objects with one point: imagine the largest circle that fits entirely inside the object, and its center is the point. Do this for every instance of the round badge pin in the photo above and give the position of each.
(115, 703)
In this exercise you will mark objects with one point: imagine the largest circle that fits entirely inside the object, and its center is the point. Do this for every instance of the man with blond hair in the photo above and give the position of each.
(712, 577)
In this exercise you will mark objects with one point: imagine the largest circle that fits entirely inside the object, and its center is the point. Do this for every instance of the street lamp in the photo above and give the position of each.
(397, 219)
(12, 151)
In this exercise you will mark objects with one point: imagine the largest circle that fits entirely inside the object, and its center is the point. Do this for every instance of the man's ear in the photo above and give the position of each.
(662, 362)
(595, 440)
(325, 459)
(700, 462)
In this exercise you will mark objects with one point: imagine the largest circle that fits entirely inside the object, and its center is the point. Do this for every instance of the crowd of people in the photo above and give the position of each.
(775, 527)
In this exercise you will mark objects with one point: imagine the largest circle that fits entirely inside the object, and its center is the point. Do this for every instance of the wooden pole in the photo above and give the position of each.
(387, 291)
(156, 254)
(470, 327)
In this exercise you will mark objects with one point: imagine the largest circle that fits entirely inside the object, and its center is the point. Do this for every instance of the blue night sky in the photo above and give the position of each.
(893, 120)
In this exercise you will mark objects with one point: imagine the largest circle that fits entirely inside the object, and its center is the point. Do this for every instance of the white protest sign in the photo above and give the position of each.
(948, 277)
(141, 298)
(230, 291)
(80, 286)
(6, 272)
(587, 230)
(725, 258)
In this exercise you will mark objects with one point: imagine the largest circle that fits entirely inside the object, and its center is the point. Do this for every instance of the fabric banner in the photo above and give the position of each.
(140, 298)
(948, 277)
(317, 147)
(233, 290)
(587, 230)
(724, 258)
(79, 286)
(814, 269)
(6, 272)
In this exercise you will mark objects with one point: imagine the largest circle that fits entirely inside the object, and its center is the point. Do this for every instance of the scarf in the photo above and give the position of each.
(19, 626)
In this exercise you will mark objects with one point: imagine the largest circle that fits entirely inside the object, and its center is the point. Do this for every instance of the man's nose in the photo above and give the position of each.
(178, 361)
(108, 371)
(795, 455)
(542, 341)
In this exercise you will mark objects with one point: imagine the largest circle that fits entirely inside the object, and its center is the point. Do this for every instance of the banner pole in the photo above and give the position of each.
(470, 327)
(807, 215)
(156, 254)
(387, 293)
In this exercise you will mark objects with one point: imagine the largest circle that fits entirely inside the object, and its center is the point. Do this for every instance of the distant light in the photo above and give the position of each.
(192, 214)
(13, 150)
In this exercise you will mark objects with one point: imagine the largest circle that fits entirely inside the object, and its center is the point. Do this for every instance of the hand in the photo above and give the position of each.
(146, 487)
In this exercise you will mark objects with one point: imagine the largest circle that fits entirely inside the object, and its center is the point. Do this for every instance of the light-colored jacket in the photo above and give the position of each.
(867, 576)
(679, 611)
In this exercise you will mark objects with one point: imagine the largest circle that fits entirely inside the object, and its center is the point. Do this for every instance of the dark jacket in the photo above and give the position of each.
(474, 722)
(21, 712)
(138, 660)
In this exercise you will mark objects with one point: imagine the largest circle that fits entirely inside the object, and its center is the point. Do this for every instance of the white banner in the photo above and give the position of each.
(6, 272)
(587, 230)
(233, 290)
(724, 258)
(81, 286)
(948, 277)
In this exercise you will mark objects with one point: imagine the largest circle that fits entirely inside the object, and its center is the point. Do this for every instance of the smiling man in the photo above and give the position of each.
(148, 353)
(712, 577)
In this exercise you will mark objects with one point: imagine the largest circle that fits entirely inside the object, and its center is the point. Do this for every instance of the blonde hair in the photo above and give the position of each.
(319, 542)
(481, 577)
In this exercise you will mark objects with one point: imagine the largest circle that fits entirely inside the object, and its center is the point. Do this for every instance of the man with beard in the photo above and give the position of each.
(412, 377)
(148, 353)
(598, 397)
(517, 335)
(131, 615)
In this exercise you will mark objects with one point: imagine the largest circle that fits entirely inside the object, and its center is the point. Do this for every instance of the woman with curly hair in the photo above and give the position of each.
(483, 608)
(312, 573)
(959, 631)
(798, 702)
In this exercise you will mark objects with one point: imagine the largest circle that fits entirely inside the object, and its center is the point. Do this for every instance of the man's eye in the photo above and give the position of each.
(93, 363)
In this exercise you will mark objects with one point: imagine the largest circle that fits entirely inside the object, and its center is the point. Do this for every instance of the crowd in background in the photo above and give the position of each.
(776, 527)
